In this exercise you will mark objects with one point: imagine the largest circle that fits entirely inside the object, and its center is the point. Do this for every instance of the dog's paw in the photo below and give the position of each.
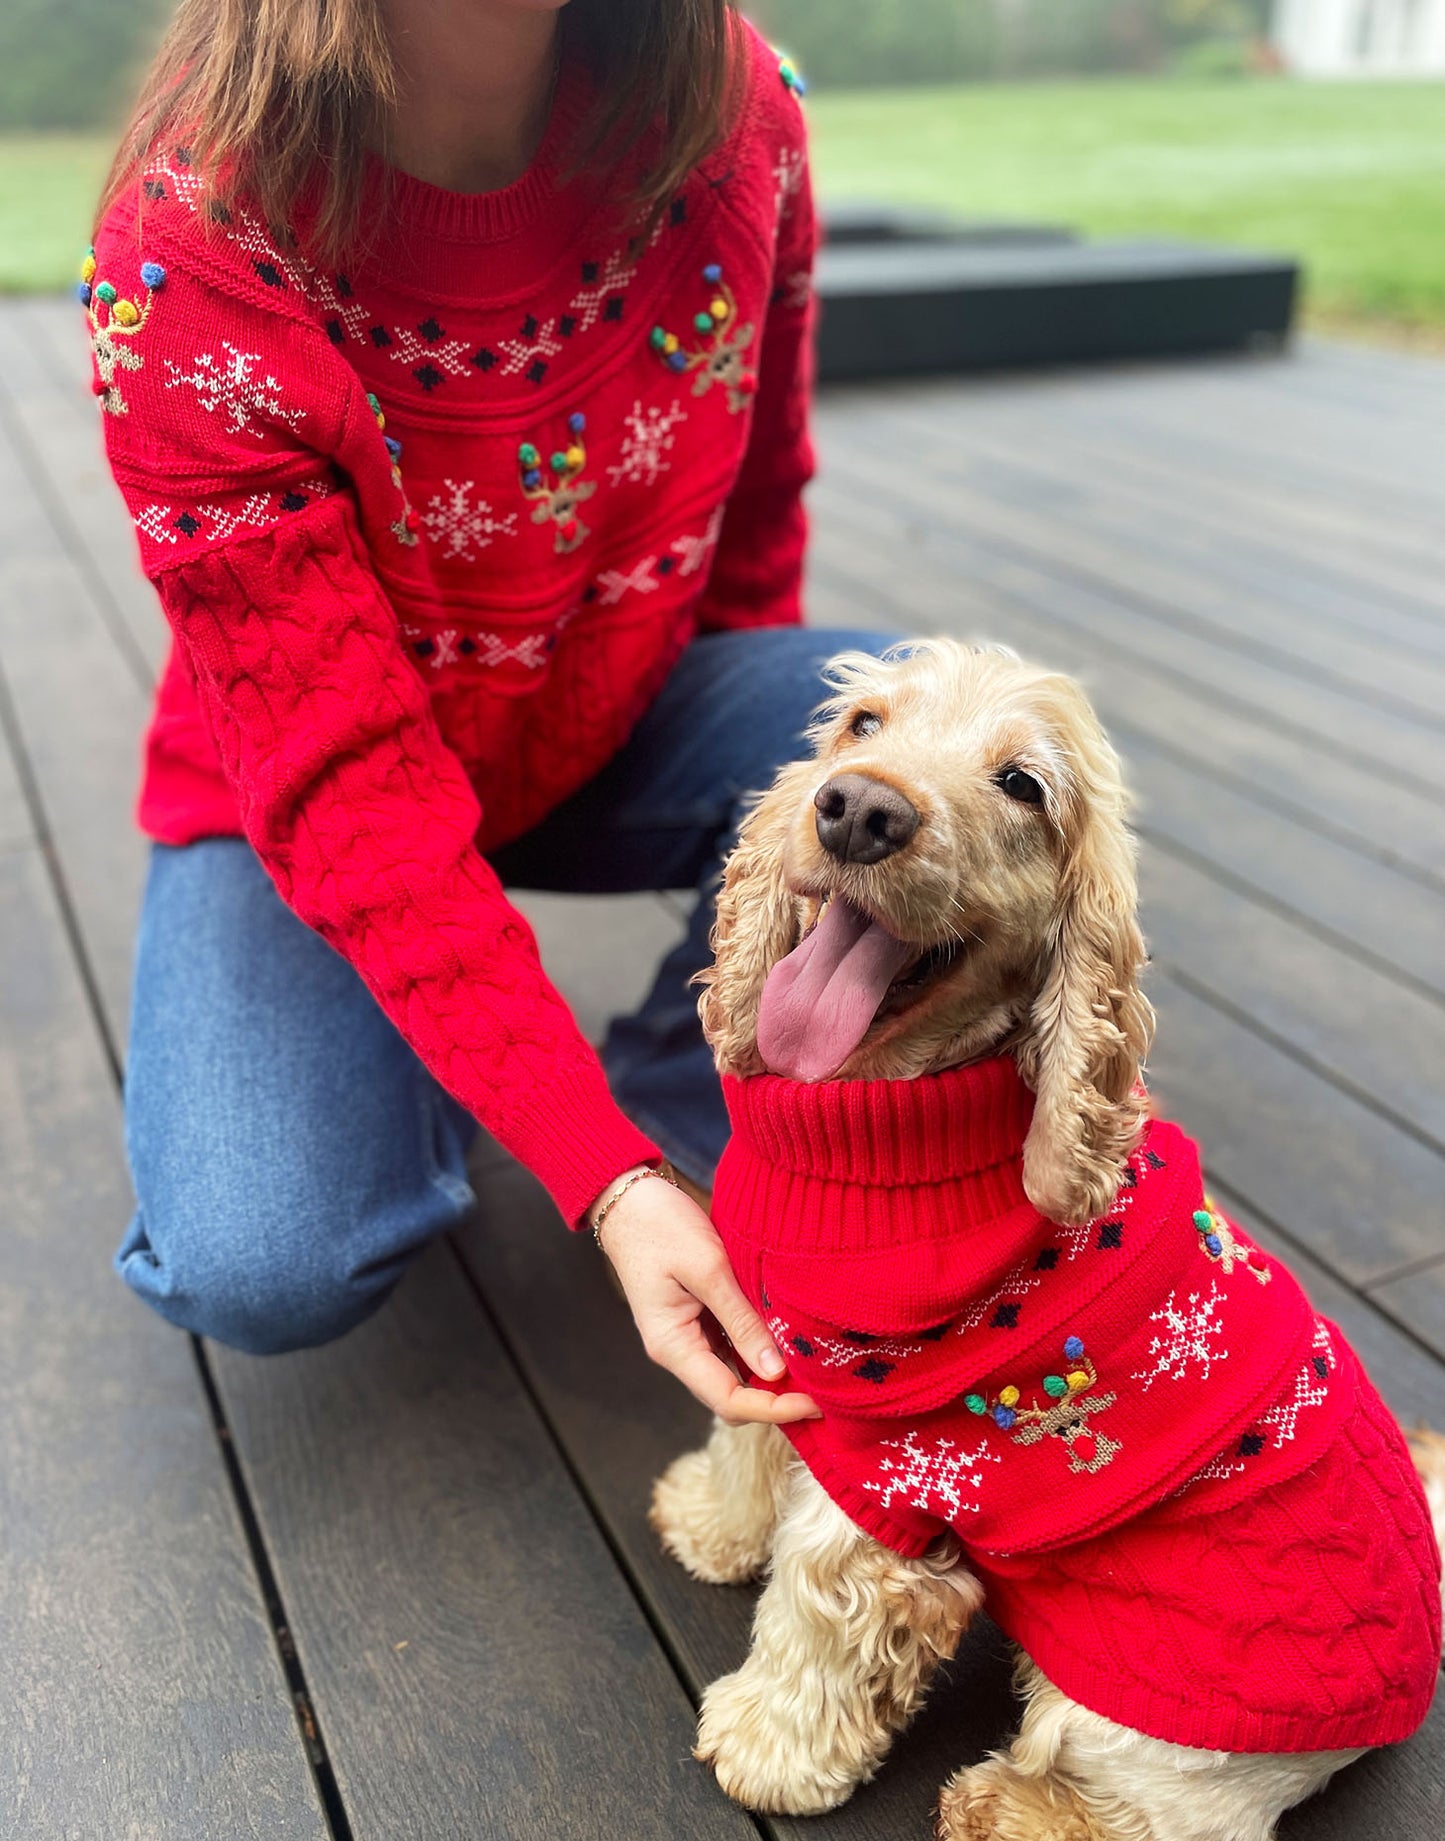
(747, 1733)
(994, 1801)
(698, 1530)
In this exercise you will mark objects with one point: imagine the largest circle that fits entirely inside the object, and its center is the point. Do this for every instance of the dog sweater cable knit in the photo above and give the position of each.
(1185, 1499)
(430, 531)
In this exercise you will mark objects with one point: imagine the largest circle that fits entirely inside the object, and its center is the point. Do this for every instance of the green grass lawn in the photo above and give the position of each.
(1349, 176)
(48, 188)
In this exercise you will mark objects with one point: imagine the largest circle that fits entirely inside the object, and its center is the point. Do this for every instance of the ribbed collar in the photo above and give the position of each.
(434, 213)
(929, 1130)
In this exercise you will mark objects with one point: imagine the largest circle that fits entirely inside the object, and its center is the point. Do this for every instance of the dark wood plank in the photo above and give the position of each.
(1007, 507)
(478, 1667)
(1342, 573)
(1418, 1301)
(1353, 1024)
(143, 1694)
(45, 368)
(871, 563)
(1353, 1188)
(79, 712)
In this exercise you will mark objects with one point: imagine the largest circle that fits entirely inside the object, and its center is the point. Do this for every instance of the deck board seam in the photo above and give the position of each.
(71, 542)
(663, 1636)
(314, 1751)
(1321, 930)
(1361, 1096)
(1160, 613)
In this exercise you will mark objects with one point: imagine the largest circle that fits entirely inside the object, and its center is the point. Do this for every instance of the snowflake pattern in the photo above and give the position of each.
(217, 522)
(232, 386)
(933, 1479)
(463, 526)
(695, 551)
(1188, 1334)
(843, 1351)
(612, 584)
(407, 347)
(1281, 1422)
(453, 645)
(788, 178)
(643, 459)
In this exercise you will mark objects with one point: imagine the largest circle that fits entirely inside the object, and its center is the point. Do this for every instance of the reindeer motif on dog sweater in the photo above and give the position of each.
(1185, 1499)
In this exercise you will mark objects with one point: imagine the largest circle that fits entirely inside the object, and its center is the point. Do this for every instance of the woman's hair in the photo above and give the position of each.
(276, 98)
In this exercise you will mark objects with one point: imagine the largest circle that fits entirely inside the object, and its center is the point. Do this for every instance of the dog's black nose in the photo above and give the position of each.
(862, 820)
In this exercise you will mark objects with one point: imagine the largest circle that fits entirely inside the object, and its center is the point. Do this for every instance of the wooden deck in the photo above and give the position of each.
(401, 1589)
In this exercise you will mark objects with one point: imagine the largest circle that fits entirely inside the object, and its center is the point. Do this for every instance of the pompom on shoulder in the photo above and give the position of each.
(774, 91)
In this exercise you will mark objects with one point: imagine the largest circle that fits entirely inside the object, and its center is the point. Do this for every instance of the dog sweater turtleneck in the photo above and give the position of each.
(1183, 1495)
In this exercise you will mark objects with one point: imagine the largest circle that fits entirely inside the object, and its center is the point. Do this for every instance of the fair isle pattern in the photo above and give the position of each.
(461, 525)
(1309, 1387)
(788, 177)
(612, 584)
(1189, 1335)
(233, 386)
(213, 523)
(649, 440)
(426, 347)
(933, 1478)
(695, 551)
(841, 1352)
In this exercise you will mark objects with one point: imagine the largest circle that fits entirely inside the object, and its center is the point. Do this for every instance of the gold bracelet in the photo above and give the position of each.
(639, 1175)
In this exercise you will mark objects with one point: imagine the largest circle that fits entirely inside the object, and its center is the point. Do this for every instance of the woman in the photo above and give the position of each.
(452, 357)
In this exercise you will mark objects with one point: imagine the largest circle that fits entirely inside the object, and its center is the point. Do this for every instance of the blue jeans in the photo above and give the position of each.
(290, 1153)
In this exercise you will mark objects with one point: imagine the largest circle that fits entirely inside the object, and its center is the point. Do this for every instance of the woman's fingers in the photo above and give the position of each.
(714, 1383)
(743, 1327)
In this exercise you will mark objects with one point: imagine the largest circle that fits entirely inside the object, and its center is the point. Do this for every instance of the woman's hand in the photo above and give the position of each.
(675, 1274)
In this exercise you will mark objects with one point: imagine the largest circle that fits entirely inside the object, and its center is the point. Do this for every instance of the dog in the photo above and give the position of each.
(1077, 1393)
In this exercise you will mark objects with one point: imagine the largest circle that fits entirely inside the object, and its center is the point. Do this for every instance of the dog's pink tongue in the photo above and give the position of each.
(818, 1002)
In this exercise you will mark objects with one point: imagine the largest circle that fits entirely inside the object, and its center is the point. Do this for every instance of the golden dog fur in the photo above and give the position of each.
(1041, 899)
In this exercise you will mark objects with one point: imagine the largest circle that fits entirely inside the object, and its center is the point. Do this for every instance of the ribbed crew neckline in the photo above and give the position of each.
(437, 214)
(929, 1130)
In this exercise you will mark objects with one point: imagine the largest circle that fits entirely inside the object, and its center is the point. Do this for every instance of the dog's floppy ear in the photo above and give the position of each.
(1089, 1027)
(756, 924)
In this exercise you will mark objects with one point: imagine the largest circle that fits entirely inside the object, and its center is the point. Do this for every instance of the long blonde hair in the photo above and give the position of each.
(277, 97)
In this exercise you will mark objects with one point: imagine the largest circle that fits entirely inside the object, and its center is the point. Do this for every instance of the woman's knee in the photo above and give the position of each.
(262, 1286)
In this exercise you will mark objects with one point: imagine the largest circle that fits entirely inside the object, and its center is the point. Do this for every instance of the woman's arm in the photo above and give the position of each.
(757, 571)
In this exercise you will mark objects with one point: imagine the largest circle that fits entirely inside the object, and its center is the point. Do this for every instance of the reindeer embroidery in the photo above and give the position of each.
(559, 503)
(113, 320)
(1218, 1241)
(721, 360)
(1073, 1404)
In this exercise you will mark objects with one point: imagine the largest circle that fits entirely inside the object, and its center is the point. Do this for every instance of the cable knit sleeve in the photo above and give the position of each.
(757, 573)
(365, 820)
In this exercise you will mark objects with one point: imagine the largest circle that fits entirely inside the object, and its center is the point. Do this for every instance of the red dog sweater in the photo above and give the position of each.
(430, 530)
(1182, 1494)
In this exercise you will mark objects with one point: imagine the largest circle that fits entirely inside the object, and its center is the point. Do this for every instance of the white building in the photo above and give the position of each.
(1361, 38)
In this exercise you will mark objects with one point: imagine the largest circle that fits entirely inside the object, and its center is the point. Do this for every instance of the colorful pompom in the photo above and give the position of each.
(152, 274)
(82, 293)
(106, 292)
(125, 313)
(576, 422)
(87, 268)
(1055, 1386)
(975, 1403)
(1073, 1348)
(528, 455)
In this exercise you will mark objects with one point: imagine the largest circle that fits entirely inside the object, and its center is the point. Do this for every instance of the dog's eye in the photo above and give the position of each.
(866, 723)
(1019, 785)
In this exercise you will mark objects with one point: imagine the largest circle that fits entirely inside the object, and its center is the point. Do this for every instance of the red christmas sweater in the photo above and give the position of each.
(431, 530)
(1182, 1494)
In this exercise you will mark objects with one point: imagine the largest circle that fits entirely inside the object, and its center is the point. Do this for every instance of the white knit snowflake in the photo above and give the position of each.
(517, 354)
(461, 525)
(695, 551)
(612, 584)
(788, 177)
(842, 1351)
(1188, 1335)
(649, 441)
(932, 1478)
(233, 386)
(1311, 1388)
(408, 348)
